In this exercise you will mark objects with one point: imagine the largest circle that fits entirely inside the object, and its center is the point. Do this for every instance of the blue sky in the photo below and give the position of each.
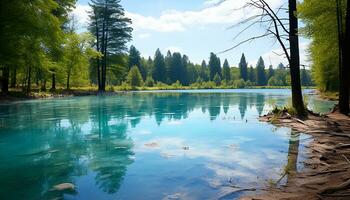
(195, 28)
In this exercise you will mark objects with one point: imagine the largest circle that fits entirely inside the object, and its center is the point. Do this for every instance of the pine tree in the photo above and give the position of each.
(260, 73)
(243, 68)
(214, 66)
(204, 72)
(159, 70)
(134, 77)
(226, 72)
(175, 71)
(112, 31)
(251, 74)
(135, 60)
(217, 79)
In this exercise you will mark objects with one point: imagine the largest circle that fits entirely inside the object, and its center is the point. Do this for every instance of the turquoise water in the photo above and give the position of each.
(147, 145)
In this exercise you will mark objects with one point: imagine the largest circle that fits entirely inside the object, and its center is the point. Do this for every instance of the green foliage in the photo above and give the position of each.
(217, 79)
(134, 77)
(226, 72)
(243, 68)
(149, 81)
(320, 21)
(159, 70)
(214, 66)
(260, 73)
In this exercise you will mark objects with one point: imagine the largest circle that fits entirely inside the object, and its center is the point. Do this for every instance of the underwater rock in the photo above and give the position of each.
(63, 187)
(186, 148)
(152, 144)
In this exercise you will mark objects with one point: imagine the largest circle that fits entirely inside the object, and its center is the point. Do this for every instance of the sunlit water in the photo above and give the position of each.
(147, 145)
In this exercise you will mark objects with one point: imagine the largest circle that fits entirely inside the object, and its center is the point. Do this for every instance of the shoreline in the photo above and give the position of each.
(326, 171)
(21, 96)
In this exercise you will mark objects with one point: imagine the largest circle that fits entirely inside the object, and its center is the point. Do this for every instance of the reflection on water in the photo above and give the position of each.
(148, 145)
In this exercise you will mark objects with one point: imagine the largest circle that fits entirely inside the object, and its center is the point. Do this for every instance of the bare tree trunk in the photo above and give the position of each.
(5, 79)
(297, 97)
(343, 61)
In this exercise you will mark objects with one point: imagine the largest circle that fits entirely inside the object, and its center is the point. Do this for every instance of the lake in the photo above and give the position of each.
(197, 144)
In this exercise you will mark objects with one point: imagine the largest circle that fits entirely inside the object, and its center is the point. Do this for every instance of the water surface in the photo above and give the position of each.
(197, 144)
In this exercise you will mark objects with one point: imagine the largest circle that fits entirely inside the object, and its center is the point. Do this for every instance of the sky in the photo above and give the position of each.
(196, 28)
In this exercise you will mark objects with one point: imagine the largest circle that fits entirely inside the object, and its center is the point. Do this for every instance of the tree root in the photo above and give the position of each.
(333, 189)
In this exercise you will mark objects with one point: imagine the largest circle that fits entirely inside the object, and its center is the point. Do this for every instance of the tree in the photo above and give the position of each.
(226, 72)
(251, 74)
(343, 69)
(270, 73)
(135, 60)
(204, 73)
(76, 54)
(159, 70)
(276, 28)
(134, 77)
(29, 32)
(243, 68)
(176, 68)
(260, 72)
(214, 66)
(305, 78)
(217, 79)
(112, 31)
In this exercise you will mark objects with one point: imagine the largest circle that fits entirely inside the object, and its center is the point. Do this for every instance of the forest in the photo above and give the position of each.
(103, 118)
(42, 51)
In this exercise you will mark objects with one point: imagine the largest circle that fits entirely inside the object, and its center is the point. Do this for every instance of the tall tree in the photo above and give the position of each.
(159, 70)
(243, 68)
(112, 31)
(251, 74)
(226, 72)
(214, 66)
(260, 72)
(294, 62)
(135, 60)
(343, 69)
(175, 71)
(204, 73)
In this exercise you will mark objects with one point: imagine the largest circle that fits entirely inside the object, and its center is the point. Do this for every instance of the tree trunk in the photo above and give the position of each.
(297, 96)
(98, 49)
(68, 77)
(5, 79)
(43, 85)
(29, 80)
(13, 78)
(343, 60)
(53, 87)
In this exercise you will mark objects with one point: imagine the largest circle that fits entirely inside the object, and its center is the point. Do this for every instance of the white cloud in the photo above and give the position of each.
(173, 20)
(81, 13)
(144, 35)
(177, 21)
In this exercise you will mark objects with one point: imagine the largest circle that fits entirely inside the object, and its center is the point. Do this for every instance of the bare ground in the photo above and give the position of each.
(326, 175)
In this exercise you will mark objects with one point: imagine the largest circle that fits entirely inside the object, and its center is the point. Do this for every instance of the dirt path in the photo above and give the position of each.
(327, 170)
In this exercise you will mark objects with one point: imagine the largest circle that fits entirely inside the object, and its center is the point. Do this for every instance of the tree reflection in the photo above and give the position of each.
(293, 151)
(56, 141)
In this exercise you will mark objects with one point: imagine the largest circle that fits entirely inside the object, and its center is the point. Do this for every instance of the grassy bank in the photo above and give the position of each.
(18, 94)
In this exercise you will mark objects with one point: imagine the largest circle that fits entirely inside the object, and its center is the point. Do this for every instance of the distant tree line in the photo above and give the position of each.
(175, 68)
